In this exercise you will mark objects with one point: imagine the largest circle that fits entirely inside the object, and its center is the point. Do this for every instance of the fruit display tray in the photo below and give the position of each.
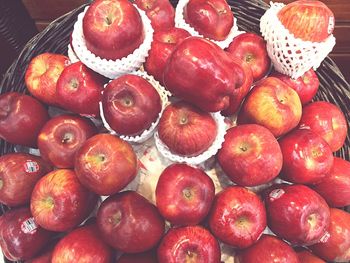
(55, 38)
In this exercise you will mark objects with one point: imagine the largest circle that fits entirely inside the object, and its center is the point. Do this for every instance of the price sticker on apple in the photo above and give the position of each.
(31, 166)
(275, 194)
(29, 226)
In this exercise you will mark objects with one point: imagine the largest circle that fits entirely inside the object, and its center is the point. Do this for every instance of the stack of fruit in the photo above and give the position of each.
(274, 192)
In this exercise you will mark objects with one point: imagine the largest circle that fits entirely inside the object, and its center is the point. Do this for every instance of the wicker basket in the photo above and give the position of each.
(55, 38)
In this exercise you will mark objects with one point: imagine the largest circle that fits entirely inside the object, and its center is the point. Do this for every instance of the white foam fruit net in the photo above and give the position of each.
(181, 23)
(71, 54)
(290, 55)
(112, 68)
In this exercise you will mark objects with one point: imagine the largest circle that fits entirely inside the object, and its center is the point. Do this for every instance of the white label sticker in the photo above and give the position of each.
(31, 166)
(275, 194)
(331, 24)
(29, 226)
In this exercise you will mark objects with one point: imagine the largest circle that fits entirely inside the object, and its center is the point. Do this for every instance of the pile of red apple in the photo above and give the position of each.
(287, 191)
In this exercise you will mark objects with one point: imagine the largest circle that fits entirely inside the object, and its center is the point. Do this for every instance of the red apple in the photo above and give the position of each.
(105, 164)
(112, 28)
(146, 257)
(19, 173)
(20, 236)
(268, 249)
(250, 155)
(164, 42)
(238, 217)
(79, 90)
(251, 48)
(327, 120)
(62, 136)
(59, 202)
(200, 72)
(83, 244)
(273, 105)
(21, 118)
(307, 158)
(307, 257)
(42, 74)
(335, 187)
(160, 12)
(130, 104)
(186, 130)
(337, 247)
(297, 214)
(184, 194)
(211, 18)
(45, 256)
(129, 222)
(309, 20)
(306, 86)
(189, 244)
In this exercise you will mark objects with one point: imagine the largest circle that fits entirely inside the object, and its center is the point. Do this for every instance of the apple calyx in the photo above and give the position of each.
(67, 138)
(109, 20)
(73, 84)
(312, 220)
(115, 219)
(48, 202)
(242, 222)
(244, 147)
(187, 193)
(249, 58)
(191, 257)
(127, 101)
(183, 120)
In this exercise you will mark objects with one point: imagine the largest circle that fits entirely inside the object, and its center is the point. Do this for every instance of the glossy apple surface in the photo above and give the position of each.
(42, 74)
(129, 222)
(186, 130)
(307, 158)
(336, 248)
(189, 244)
(201, 73)
(237, 217)
(83, 244)
(335, 187)
(59, 202)
(21, 237)
(21, 118)
(297, 214)
(306, 86)
(251, 48)
(19, 173)
(250, 155)
(105, 164)
(184, 194)
(62, 136)
(130, 104)
(164, 42)
(146, 257)
(268, 249)
(112, 28)
(308, 20)
(327, 120)
(160, 12)
(79, 90)
(273, 105)
(211, 18)
(307, 257)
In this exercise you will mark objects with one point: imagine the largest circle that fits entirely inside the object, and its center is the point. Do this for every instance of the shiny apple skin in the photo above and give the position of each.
(83, 244)
(19, 173)
(59, 202)
(146, 257)
(160, 12)
(62, 136)
(186, 130)
(211, 18)
(307, 158)
(273, 105)
(105, 164)
(327, 120)
(268, 249)
(42, 74)
(307, 257)
(130, 223)
(184, 194)
(237, 217)
(15, 243)
(130, 104)
(251, 48)
(164, 42)
(335, 187)
(337, 246)
(79, 90)
(189, 244)
(250, 155)
(297, 214)
(308, 20)
(306, 86)
(112, 28)
(201, 73)
(19, 113)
